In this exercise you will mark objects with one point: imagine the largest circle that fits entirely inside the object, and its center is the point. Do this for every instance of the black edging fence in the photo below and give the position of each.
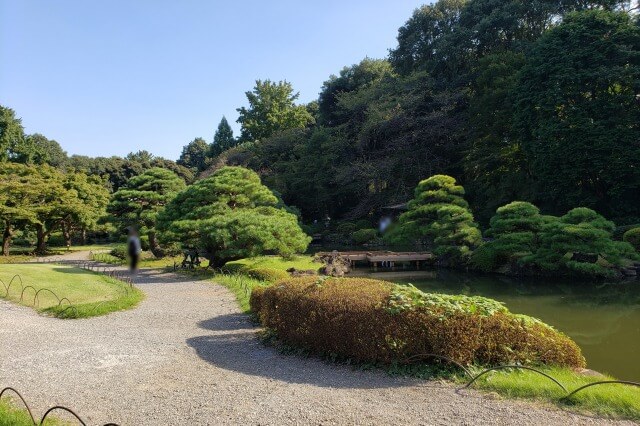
(49, 411)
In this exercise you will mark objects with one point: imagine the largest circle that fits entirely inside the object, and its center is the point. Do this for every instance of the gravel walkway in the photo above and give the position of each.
(186, 356)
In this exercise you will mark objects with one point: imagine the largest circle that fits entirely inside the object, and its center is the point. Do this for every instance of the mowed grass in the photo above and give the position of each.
(90, 293)
(609, 400)
(300, 262)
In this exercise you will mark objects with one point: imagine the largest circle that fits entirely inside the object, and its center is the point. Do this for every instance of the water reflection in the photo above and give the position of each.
(603, 318)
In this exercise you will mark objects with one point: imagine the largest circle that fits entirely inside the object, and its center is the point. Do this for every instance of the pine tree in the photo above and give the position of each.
(223, 139)
(439, 216)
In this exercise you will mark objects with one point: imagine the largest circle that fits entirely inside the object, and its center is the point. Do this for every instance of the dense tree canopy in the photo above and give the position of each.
(578, 114)
(138, 203)
(231, 215)
(194, 155)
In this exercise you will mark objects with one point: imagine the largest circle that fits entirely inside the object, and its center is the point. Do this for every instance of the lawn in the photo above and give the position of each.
(609, 400)
(92, 294)
(11, 415)
(300, 262)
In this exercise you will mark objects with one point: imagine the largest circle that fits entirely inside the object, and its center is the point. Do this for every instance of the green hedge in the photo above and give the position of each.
(376, 321)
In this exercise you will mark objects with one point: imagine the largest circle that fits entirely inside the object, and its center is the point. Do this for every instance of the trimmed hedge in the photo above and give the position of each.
(266, 274)
(369, 320)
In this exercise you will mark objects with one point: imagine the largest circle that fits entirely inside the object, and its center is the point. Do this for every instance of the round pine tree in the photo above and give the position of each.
(439, 216)
(231, 215)
(576, 242)
(141, 199)
(514, 229)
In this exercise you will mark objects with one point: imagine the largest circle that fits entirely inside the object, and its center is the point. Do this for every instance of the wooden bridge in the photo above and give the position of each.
(385, 259)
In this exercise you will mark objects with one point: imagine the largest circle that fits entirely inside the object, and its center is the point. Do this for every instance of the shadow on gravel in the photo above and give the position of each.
(240, 350)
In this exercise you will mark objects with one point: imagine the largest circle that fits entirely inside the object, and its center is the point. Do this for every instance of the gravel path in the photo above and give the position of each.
(186, 356)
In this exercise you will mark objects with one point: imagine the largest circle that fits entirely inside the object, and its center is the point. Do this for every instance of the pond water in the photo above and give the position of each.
(602, 318)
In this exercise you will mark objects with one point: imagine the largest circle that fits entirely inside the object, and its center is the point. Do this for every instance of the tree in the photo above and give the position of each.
(93, 196)
(440, 216)
(575, 242)
(578, 114)
(20, 188)
(12, 143)
(223, 139)
(272, 109)
(351, 78)
(514, 231)
(46, 151)
(231, 215)
(194, 155)
(138, 203)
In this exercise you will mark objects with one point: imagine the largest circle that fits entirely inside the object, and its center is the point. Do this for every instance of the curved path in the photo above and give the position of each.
(187, 356)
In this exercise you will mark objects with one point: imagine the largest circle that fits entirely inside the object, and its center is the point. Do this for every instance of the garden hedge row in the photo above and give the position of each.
(368, 320)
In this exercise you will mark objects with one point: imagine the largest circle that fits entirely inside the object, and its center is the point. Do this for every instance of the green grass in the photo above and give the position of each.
(11, 415)
(301, 262)
(609, 400)
(91, 293)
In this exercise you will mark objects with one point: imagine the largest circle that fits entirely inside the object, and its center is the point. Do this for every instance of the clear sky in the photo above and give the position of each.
(110, 77)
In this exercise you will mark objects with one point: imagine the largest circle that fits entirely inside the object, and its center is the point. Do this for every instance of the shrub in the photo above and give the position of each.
(266, 274)
(376, 321)
(346, 228)
(632, 236)
(120, 252)
(363, 236)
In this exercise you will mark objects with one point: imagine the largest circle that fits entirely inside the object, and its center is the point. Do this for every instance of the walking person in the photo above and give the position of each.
(134, 248)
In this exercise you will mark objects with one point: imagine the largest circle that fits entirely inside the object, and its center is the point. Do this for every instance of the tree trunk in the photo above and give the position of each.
(41, 245)
(66, 233)
(154, 246)
(6, 239)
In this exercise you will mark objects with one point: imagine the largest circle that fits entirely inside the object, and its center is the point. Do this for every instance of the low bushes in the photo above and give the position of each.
(375, 321)
(266, 274)
(363, 236)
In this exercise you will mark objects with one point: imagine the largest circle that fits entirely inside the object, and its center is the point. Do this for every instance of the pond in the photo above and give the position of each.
(602, 318)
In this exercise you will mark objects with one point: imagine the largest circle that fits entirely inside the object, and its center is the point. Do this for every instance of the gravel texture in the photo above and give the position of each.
(187, 356)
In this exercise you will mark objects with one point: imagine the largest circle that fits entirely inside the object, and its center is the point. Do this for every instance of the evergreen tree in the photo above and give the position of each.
(223, 139)
(20, 188)
(231, 215)
(576, 242)
(138, 203)
(440, 216)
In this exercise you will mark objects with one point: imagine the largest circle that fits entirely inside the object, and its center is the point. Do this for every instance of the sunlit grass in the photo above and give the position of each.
(300, 262)
(610, 400)
(11, 415)
(90, 293)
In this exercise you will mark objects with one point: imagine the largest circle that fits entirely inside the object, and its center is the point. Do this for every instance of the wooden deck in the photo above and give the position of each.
(385, 258)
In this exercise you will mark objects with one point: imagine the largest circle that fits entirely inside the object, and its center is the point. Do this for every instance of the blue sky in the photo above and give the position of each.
(110, 77)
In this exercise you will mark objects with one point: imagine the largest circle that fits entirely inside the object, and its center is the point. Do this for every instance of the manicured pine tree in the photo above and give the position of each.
(141, 199)
(231, 215)
(439, 216)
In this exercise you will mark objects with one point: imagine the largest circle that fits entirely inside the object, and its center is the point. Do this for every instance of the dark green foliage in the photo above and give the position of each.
(580, 242)
(363, 236)
(632, 236)
(578, 114)
(514, 232)
(12, 140)
(366, 320)
(194, 155)
(138, 203)
(440, 217)
(46, 151)
(231, 215)
(223, 139)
